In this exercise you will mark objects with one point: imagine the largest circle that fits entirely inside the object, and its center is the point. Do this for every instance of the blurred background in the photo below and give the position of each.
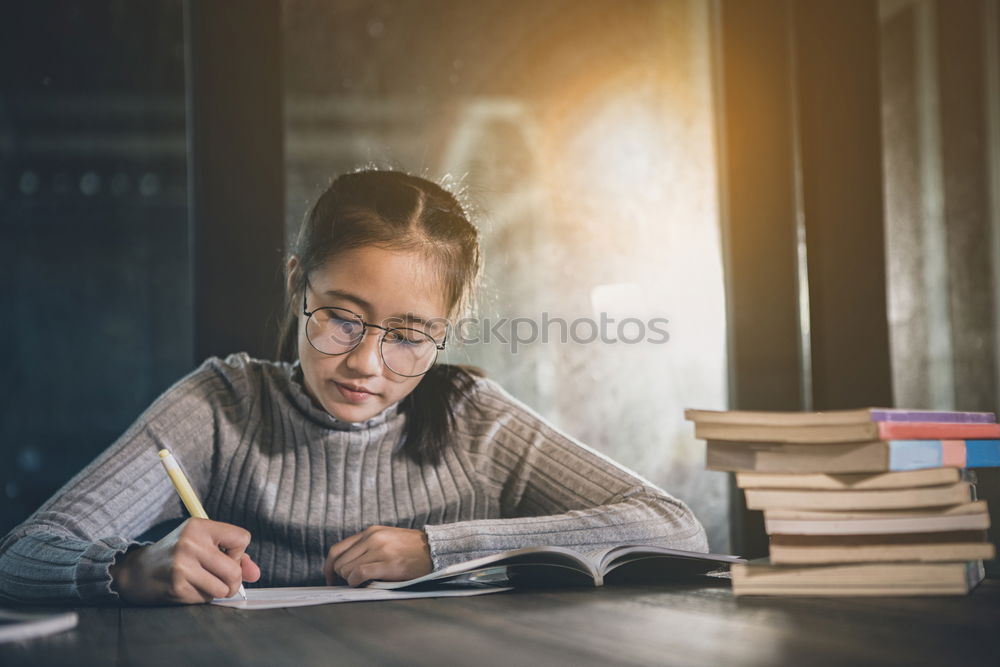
(809, 192)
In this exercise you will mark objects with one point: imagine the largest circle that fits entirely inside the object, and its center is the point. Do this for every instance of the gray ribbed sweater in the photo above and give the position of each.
(263, 455)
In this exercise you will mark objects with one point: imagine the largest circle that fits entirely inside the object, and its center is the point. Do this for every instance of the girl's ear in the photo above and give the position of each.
(292, 271)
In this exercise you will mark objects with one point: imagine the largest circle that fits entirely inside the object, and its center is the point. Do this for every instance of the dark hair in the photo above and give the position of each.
(396, 211)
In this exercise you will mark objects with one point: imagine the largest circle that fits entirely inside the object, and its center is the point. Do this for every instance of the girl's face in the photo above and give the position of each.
(383, 287)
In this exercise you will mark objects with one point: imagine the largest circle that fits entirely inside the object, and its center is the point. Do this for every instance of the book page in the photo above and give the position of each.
(516, 558)
(303, 596)
(21, 625)
(682, 561)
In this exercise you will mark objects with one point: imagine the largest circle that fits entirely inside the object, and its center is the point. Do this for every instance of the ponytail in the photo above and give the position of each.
(430, 410)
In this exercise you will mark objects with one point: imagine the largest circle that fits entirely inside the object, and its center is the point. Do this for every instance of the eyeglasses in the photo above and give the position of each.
(335, 331)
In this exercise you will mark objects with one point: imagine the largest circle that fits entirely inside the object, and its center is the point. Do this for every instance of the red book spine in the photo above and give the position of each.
(936, 431)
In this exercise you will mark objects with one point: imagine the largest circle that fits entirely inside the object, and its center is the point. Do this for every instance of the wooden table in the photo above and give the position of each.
(686, 624)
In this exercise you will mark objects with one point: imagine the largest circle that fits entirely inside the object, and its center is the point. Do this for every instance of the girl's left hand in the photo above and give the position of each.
(379, 552)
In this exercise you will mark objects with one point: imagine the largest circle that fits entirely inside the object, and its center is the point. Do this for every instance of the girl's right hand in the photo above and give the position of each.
(187, 566)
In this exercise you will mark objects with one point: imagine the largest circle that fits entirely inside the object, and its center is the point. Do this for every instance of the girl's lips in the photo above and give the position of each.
(352, 394)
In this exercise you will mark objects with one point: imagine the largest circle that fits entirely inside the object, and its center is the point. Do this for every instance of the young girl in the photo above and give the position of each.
(363, 459)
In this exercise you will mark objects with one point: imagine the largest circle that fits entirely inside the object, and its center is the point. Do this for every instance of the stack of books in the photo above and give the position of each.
(859, 502)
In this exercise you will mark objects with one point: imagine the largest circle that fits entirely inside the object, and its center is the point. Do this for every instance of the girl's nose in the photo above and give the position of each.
(366, 358)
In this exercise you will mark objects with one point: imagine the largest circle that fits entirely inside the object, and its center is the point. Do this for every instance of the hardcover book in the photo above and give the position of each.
(810, 499)
(847, 457)
(967, 516)
(923, 547)
(854, 579)
(835, 417)
(846, 432)
(881, 480)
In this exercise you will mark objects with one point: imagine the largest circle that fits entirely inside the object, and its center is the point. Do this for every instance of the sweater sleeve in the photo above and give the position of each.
(553, 490)
(62, 553)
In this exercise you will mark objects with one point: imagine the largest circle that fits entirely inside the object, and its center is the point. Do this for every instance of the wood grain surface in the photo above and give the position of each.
(683, 624)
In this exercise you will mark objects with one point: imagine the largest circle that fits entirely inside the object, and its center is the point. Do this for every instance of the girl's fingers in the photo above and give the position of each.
(336, 551)
(346, 566)
(351, 556)
(231, 538)
(343, 545)
(223, 568)
(250, 570)
(365, 572)
(206, 586)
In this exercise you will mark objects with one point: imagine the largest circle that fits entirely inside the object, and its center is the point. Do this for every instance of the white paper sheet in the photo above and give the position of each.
(303, 596)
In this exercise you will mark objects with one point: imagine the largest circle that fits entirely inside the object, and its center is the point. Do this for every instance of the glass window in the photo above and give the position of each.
(583, 132)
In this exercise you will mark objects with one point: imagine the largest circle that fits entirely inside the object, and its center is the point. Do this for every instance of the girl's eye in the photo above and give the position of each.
(339, 324)
(405, 337)
(335, 316)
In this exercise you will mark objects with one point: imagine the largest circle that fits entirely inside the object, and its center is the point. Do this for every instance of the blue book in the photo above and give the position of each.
(982, 453)
(852, 457)
(916, 454)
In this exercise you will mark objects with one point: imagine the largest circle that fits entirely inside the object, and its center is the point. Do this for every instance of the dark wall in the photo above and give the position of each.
(94, 247)
(141, 205)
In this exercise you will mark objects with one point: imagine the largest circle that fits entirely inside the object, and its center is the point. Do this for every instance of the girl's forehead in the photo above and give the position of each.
(385, 282)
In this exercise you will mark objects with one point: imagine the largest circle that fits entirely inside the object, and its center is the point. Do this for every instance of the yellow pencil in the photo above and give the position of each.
(186, 492)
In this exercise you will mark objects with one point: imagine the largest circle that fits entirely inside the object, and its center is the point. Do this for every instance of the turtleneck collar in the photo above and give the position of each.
(314, 410)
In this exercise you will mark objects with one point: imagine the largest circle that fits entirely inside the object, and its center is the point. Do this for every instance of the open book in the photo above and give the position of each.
(560, 566)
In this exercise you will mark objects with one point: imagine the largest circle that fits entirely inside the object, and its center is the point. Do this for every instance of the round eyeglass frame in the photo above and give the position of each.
(386, 330)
